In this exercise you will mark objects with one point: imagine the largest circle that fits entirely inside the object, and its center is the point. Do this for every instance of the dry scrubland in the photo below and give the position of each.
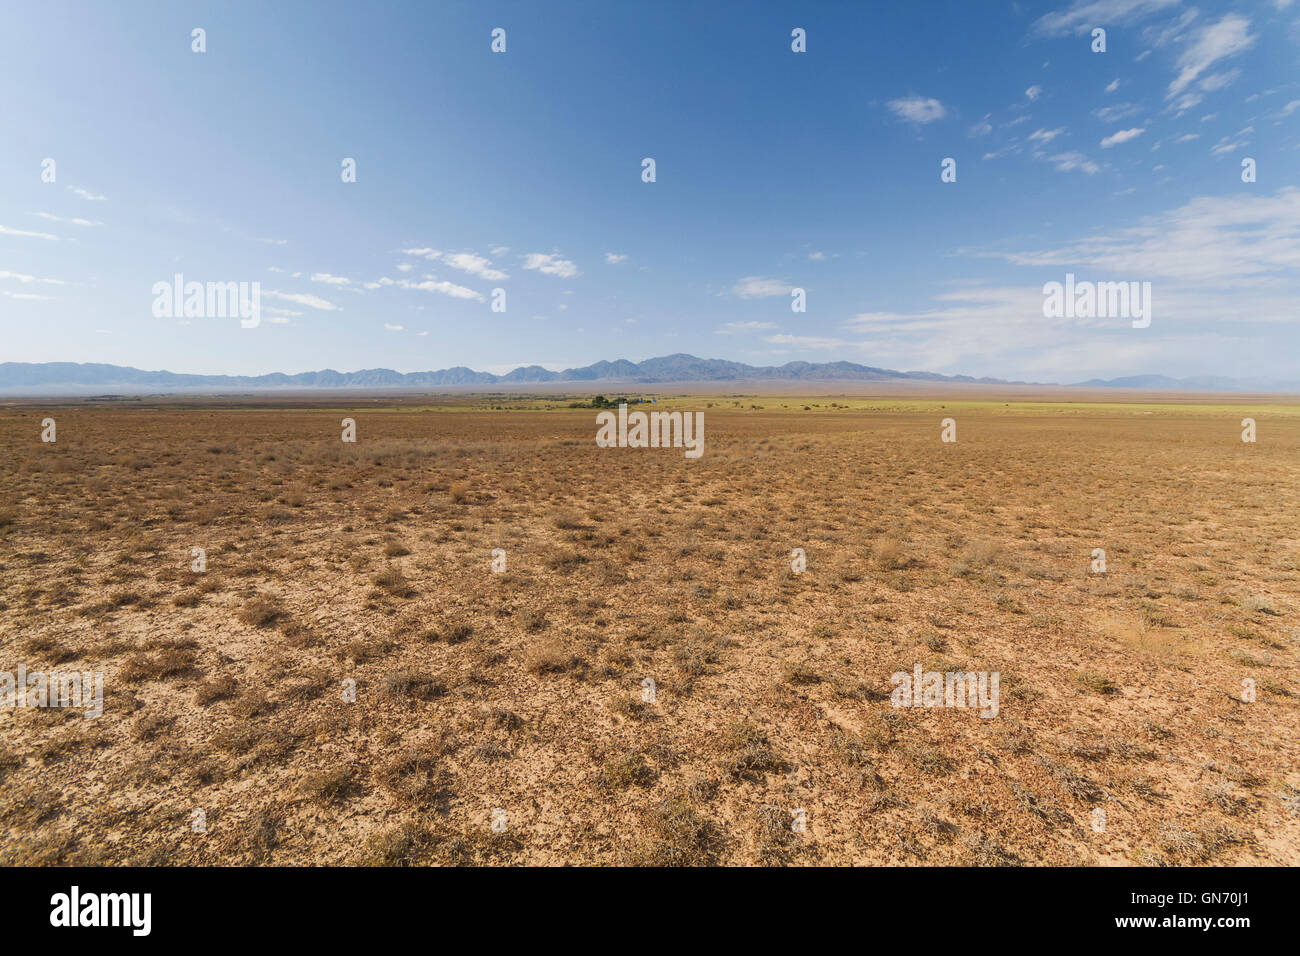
(522, 691)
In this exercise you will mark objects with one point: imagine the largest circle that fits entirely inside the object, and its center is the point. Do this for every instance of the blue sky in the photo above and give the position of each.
(522, 170)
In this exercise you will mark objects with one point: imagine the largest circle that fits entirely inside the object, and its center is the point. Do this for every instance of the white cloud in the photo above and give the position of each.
(26, 279)
(1225, 146)
(1045, 135)
(329, 279)
(74, 221)
(760, 287)
(1082, 15)
(1069, 162)
(86, 194)
(614, 258)
(817, 256)
(1170, 32)
(1002, 330)
(470, 262)
(550, 264)
(1113, 85)
(1217, 40)
(442, 287)
(918, 109)
(303, 298)
(1217, 81)
(1110, 114)
(473, 264)
(1123, 136)
(1011, 147)
(1034, 92)
(1224, 244)
(6, 231)
(394, 328)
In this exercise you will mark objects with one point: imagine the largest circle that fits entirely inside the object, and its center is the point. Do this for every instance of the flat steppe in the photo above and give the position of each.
(517, 697)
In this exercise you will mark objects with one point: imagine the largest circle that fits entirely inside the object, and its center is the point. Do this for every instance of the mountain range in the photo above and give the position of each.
(72, 377)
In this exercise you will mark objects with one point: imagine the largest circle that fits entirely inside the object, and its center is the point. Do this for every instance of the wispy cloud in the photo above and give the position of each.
(1082, 15)
(1122, 136)
(1111, 114)
(1216, 41)
(1214, 263)
(303, 298)
(26, 279)
(440, 286)
(8, 231)
(760, 287)
(1069, 162)
(50, 217)
(1227, 242)
(86, 194)
(1225, 146)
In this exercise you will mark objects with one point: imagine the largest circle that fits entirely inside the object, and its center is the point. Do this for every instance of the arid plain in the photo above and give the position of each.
(495, 591)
